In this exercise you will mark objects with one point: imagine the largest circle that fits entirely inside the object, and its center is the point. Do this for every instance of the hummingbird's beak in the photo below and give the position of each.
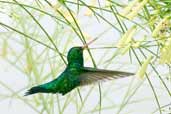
(86, 45)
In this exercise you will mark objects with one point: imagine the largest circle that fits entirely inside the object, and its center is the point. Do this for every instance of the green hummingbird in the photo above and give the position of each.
(76, 74)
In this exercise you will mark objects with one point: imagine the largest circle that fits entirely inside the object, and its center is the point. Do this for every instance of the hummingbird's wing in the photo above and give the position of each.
(92, 75)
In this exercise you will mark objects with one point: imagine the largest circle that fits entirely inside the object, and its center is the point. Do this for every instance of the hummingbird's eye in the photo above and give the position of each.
(79, 49)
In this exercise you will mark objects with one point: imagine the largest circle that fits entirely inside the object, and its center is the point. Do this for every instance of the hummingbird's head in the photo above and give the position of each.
(75, 55)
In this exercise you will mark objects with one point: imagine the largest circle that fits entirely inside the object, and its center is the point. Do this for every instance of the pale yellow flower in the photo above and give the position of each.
(165, 53)
(124, 43)
(126, 38)
(133, 8)
(126, 49)
(162, 25)
(142, 70)
(65, 12)
(136, 10)
(127, 41)
(153, 20)
(128, 8)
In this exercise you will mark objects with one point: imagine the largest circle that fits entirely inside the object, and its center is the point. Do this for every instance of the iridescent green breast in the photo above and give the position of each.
(70, 81)
(67, 81)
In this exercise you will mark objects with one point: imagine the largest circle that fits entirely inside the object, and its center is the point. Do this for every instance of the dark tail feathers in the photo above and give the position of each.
(36, 89)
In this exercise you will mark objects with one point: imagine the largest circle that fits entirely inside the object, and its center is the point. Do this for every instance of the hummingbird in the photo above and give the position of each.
(76, 75)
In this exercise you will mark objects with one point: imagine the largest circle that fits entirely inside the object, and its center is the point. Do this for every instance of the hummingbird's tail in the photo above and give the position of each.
(36, 89)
